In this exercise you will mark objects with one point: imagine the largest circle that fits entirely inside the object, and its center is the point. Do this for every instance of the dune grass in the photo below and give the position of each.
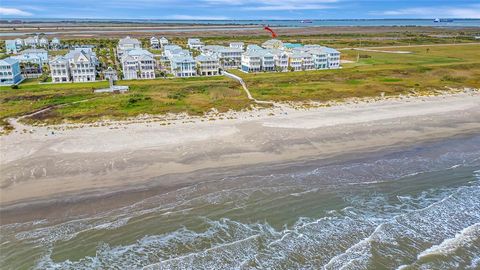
(421, 71)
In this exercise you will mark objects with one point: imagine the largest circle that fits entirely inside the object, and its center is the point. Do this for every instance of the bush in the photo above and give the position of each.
(14, 86)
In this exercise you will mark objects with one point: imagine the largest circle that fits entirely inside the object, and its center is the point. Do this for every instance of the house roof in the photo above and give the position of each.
(9, 61)
(205, 58)
(34, 51)
(128, 40)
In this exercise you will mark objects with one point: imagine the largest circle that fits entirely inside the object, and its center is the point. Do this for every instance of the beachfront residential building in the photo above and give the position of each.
(138, 64)
(55, 43)
(195, 43)
(11, 47)
(183, 66)
(281, 59)
(127, 44)
(43, 42)
(237, 45)
(333, 58)
(78, 65)
(31, 42)
(207, 65)
(10, 72)
(252, 61)
(154, 43)
(32, 61)
(163, 41)
(59, 69)
(19, 42)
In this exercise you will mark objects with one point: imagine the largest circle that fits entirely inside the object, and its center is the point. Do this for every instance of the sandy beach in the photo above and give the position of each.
(49, 163)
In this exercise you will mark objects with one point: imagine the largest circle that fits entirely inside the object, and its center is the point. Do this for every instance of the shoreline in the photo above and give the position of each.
(89, 161)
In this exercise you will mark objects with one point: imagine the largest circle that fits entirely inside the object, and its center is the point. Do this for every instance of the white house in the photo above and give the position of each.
(252, 61)
(281, 59)
(163, 41)
(82, 65)
(31, 42)
(183, 66)
(207, 65)
(138, 64)
(59, 69)
(78, 65)
(43, 42)
(11, 47)
(154, 43)
(127, 44)
(55, 43)
(10, 71)
(333, 58)
(195, 43)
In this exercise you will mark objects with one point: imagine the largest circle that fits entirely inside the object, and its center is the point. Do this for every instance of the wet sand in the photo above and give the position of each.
(102, 163)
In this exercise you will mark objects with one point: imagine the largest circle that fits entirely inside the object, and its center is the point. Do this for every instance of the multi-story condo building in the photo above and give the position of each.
(333, 58)
(207, 65)
(183, 66)
(10, 71)
(127, 44)
(138, 64)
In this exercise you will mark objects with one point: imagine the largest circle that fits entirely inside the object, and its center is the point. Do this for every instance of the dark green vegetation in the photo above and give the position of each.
(423, 71)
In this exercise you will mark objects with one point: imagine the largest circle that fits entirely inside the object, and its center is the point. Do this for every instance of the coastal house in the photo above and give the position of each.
(207, 65)
(252, 61)
(32, 61)
(19, 42)
(333, 58)
(82, 64)
(127, 44)
(59, 69)
(183, 66)
(228, 57)
(43, 42)
(78, 65)
(154, 43)
(10, 72)
(195, 43)
(11, 47)
(55, 43)
(31, 42)
(163, 41)
(138, 64)
(281, 59)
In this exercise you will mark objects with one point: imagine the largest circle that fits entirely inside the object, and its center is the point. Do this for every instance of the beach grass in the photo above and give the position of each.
(423, 71)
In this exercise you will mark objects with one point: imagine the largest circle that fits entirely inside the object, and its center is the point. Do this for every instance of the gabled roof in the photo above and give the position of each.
(128, 40)
(34, 51)
(59, 59)
(205, 58)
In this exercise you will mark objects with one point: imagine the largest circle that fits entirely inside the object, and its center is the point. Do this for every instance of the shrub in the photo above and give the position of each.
(14, 86)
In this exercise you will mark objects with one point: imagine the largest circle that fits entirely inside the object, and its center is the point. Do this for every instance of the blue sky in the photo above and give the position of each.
(238, 9)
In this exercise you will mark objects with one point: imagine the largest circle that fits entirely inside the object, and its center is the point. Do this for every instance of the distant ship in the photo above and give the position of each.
(437, 20)
(305, 21)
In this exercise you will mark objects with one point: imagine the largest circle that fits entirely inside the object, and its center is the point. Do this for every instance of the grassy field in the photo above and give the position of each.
(424, 70)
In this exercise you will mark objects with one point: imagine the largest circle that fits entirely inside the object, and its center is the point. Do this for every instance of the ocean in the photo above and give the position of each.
(291, 23)
(414, 207)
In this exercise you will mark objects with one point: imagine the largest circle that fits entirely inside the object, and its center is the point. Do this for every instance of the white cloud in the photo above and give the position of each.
(13, 12)
(192, 17)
